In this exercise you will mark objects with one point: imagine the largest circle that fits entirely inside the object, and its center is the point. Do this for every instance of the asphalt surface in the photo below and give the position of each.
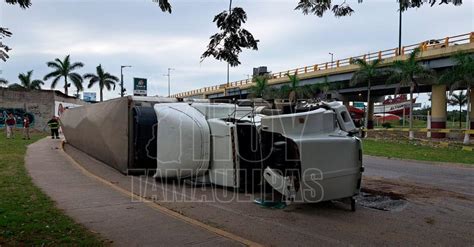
(438, 208)
(107, 211)
(449, 177)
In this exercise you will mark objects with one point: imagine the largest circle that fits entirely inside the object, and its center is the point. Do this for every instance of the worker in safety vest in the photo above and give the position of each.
(54, 126)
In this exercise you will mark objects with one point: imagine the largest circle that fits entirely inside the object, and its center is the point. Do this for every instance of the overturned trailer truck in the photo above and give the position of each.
(309, 155)
(116, 131)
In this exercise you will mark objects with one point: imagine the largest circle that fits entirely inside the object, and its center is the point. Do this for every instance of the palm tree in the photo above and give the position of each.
(27, 83)
(458, 100)
(366, 73)
(406, 73)
(103, 78)
(461, 75)
(64, 69)
(292, 89)
(261, 86)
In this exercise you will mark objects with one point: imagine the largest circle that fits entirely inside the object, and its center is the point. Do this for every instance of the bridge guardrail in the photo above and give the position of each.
(384, 54)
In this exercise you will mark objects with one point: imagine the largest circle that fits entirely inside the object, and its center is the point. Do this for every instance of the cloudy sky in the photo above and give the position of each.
(136, 32)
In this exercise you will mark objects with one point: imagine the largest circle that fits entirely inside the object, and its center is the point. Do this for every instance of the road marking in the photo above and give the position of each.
(160, 208)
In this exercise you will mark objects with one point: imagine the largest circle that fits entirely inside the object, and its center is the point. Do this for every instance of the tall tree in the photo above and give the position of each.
(260, 87)
(406, 73)
(366, 73)
(64, 69)
(27, 83)
(461, 76)
(104, 79)
(458, 100)
(227, 45)
(292, 88)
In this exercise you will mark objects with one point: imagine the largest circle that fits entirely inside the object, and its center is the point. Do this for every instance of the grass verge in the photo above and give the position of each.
(414, 151)
(27, 216)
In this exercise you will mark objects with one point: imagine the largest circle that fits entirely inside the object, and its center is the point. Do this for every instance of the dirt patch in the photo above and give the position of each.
(381, 202)
(405, 190)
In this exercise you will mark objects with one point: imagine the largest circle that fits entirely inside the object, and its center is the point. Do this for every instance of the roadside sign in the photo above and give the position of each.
(89, 96)
(139, 86)
(359, 104)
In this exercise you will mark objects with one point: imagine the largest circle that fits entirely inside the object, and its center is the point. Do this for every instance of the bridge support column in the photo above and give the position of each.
(471, 115)
(438, 109)
(370, 121)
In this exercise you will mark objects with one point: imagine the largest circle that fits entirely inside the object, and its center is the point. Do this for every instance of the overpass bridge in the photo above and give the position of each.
(435, 54)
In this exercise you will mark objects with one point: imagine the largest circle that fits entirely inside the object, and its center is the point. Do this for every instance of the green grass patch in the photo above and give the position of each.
(415, 151)
(27, 216)
(419, 124)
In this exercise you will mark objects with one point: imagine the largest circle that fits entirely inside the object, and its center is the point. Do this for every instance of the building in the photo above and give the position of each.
(39, 105)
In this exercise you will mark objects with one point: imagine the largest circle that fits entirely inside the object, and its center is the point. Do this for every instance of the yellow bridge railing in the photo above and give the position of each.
(385, 54)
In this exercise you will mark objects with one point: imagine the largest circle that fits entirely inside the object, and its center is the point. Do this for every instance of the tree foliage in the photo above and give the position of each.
(408, 73)
(367, 71)
(4, 33)
(341, 8)
(27, 83)
(462, 74)
(64, 69)
(228, 43)
(3, 81)
(165, 6)
(260, 87)
(104, 79)
(458, 100)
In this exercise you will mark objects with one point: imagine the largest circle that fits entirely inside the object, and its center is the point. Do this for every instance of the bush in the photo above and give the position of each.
(387, 125)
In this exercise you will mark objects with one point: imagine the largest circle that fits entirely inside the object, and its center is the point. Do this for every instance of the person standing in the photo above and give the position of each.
(26, 127)
(54, 126)
(10, 122)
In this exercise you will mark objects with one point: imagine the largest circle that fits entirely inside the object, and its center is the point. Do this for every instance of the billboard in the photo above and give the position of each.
(89, 96)
(139, 87)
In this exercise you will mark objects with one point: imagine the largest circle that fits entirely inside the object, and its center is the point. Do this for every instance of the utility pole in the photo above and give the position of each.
(122, 90)
(400, 28)
(169, 80)
(332, 58)
(228, 65)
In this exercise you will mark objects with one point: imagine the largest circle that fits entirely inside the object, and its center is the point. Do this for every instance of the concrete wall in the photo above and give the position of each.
(38, 103)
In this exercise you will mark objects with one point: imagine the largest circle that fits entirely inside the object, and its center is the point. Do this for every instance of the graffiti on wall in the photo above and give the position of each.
(18, 113)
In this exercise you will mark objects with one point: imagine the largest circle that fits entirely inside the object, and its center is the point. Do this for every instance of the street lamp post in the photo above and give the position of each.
(400, 29)
(169, 80)
(332, 58)
(122, 90)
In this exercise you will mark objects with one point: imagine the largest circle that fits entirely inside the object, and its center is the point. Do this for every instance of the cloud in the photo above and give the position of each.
(114, 33)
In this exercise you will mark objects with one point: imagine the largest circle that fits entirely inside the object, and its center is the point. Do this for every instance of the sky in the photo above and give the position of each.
(137, 33)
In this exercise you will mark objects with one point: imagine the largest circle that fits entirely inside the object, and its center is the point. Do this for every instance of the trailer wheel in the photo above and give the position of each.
(353, 204)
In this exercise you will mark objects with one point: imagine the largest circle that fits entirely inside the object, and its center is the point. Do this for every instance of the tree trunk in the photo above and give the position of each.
(366, 124)
(101, 95)
(411, 134)
(460, 115)
(65, 85)
(468, 120)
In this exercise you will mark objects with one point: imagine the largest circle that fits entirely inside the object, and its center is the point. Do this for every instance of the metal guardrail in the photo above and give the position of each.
(382, 55)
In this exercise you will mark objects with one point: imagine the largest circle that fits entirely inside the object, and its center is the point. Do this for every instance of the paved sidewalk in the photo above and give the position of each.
(105, 210)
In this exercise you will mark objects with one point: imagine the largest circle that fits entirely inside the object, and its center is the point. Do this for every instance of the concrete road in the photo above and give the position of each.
(438, 208)
(105, 210)
(431, 215)
(448, 177)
